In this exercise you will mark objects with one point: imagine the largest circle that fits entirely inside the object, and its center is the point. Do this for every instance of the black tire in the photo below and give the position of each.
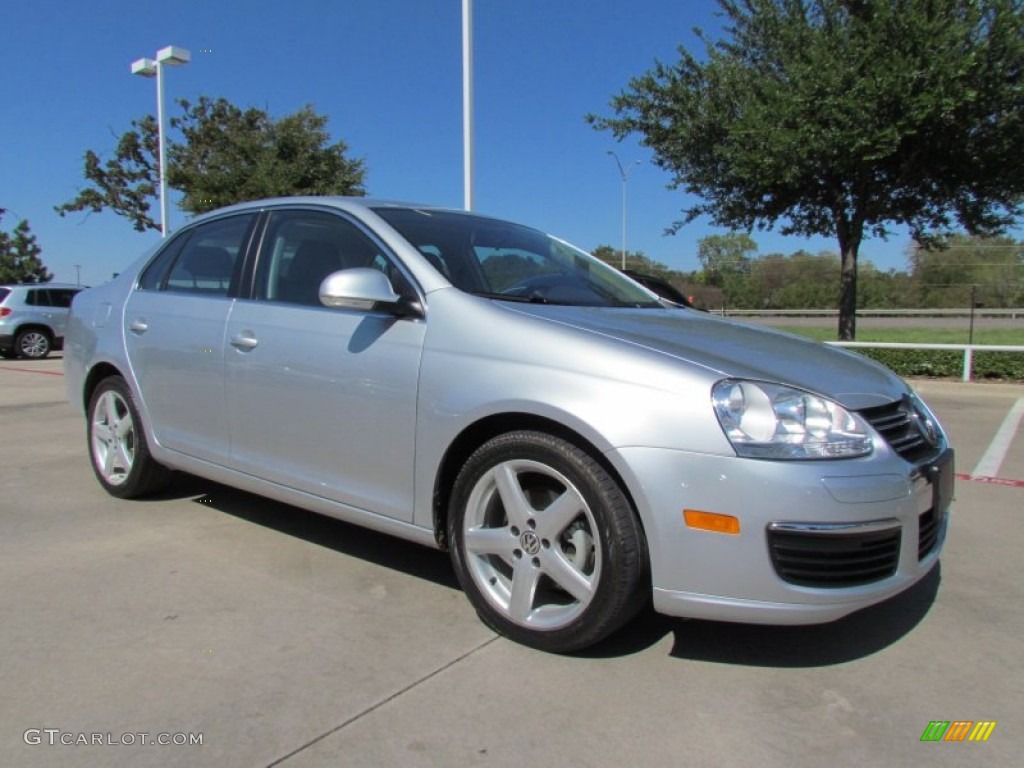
(118, 450)
(33, 343)
(545, 543)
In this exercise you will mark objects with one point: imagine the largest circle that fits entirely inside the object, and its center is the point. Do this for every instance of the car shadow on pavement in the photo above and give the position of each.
(345, 538)
(853, 637)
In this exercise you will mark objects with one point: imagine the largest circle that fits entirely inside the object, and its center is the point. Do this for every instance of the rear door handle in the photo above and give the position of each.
(244, 341)
(138, 326)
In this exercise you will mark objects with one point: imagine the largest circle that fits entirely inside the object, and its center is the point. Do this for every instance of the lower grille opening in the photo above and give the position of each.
(834, 560)
(928, 529)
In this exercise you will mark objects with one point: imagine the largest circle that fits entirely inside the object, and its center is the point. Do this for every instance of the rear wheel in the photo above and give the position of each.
(545, 543)
(117, 446)
(33, 344)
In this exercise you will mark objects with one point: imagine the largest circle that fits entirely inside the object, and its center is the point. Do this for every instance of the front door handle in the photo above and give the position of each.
(244, 341)
(138, 325)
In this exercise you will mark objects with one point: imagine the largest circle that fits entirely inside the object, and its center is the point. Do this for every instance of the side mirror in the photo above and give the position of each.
(361, 288)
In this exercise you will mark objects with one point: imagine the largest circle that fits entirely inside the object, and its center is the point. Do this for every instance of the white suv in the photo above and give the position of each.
(33, 318)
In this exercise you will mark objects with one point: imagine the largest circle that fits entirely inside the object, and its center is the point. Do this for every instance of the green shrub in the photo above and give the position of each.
(948, 363)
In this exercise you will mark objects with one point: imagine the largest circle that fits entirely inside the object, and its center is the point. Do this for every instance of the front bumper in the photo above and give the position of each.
(850, 533)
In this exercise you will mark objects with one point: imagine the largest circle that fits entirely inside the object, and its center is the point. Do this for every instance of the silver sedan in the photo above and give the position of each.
(581, 448)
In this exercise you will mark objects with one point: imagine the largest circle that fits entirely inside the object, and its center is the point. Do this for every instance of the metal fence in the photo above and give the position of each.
(1012, 313)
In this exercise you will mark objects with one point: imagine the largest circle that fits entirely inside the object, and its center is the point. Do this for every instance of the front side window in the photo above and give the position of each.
(301, 248)
(210, 259)
(500, 260)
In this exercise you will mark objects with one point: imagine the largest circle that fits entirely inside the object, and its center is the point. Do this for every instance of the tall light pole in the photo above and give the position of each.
(171, 56)
(624, 175)
(467, 103)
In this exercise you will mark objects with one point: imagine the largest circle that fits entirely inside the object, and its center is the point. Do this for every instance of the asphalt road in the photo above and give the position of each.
(281, 638)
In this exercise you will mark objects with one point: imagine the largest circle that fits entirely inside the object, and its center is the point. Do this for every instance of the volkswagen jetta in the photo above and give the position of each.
(579, 447)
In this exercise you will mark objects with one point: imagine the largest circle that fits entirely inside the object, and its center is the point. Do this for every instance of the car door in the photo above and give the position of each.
(174, 334)
(323, 400)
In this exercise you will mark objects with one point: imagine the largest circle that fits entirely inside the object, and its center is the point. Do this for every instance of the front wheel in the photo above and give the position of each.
(117, 446)
(545, 543)
(33, 344)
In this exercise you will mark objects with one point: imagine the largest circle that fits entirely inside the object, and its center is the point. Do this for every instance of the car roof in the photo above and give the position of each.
(43, 285)
(360, 204)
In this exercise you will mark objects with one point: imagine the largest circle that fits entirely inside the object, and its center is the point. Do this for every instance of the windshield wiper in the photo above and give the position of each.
(534, 299)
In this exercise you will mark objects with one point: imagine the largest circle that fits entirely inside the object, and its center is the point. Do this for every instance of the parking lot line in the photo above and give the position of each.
(990, 480)
(993, 457)
(31, 370)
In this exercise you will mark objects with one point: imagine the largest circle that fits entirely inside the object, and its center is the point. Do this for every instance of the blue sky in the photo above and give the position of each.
(388, 74)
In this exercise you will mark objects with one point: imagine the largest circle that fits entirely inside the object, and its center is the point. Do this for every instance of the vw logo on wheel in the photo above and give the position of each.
(530, 543)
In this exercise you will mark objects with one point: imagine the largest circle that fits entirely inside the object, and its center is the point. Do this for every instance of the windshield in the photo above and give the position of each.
(500, 260)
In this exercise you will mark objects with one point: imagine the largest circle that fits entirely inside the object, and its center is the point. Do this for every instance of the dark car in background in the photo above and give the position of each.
(663, 288)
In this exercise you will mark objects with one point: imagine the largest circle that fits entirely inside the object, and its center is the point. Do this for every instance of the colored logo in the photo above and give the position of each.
(958, 730)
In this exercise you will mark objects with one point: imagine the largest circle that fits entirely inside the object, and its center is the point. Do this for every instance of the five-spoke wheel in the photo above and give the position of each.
(117, 446)
(545, 543)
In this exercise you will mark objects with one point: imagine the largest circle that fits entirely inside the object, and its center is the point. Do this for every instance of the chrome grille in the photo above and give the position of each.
(897, 425)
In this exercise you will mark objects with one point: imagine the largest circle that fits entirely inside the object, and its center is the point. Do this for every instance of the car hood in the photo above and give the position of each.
(734, 349)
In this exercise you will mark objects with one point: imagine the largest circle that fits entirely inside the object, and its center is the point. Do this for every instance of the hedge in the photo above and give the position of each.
(948, 363)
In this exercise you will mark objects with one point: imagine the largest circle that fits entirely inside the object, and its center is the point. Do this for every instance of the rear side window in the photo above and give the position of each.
(210, 260)
(37, 297)
(61, 297)
(154, 275)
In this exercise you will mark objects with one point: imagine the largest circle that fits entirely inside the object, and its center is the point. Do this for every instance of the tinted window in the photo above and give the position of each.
(37, 298)
(507, 261)
(210, 259)
(4, 293)
(301, 248)
(61, 297)
(155, 273)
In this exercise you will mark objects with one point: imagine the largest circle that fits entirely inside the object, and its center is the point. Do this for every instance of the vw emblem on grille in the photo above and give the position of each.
(924, 423)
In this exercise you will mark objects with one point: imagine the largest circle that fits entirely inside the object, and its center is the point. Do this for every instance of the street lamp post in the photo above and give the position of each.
(467, 104)
(170, 56)
(624, 175)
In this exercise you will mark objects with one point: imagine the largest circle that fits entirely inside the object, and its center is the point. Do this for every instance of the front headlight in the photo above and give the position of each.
(771, 421)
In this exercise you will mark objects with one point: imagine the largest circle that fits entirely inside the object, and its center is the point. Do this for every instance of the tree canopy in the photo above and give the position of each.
(226, 155)
(843, 118)
(19, 256)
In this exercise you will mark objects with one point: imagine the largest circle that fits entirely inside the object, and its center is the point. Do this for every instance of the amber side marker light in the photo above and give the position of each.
(711, 521)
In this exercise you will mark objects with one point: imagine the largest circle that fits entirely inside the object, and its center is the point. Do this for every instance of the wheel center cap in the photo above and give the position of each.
(530, 543)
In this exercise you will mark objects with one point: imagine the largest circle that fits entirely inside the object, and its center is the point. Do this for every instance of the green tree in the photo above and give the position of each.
(725, 263)
(635, 260)
(843, 118)
(226, 155)
(19, 256)
(989, 271)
